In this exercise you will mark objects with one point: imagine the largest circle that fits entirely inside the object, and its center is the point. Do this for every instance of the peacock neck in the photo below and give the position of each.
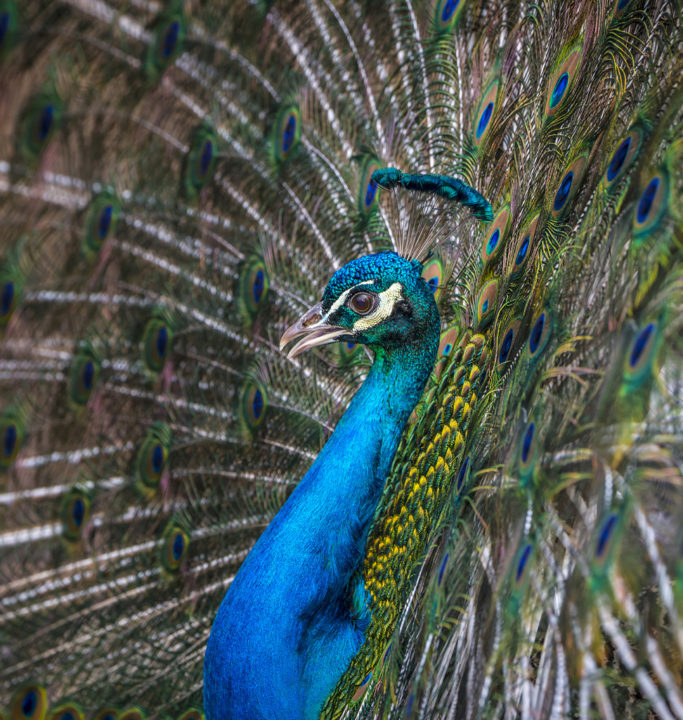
(291, 622)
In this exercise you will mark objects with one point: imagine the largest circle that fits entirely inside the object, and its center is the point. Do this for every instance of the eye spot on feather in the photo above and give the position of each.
(526, 443)
(152, 457)
(485, 111)
(522, 562)
(12, 435)
(495, 240)
(170, 40)
(561, 81)
(368, 192)
(539, 335)
(104, 222)
(101, 219)
(84, 374)
(6, 301)
(205, 158)
(175, 547)
(623, 156)
(524, 245)
(433, 275)
(29, 703)
(107, 714)
(651, 206)
(4, 27)
(362, 688)
(528, 452)
(45, 120)
(640, 343)
(620, 6)
(446, 344)
(559, 90)
(506, 346)
(68, 711)
(486, 303)
(446, 13)
(192, 714)
(563, 191)
(641, 355)
(75, 513)
(605, 534)
(156, 340)
(536, 333)
(287, 131)
(254, 405)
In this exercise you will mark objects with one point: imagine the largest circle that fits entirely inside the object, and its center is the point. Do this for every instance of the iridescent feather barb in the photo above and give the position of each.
(177, 186)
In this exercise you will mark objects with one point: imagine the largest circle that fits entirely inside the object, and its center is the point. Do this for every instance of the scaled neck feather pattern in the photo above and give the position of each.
(291, 623)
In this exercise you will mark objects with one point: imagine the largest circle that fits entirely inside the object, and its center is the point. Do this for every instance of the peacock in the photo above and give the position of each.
(341, 359)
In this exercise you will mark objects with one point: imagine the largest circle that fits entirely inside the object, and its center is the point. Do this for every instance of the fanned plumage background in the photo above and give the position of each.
(177, 184)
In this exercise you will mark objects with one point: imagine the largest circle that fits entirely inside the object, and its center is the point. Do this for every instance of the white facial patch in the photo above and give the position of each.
(387, 300)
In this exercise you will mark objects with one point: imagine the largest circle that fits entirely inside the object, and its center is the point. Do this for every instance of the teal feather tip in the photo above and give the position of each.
(442, 185)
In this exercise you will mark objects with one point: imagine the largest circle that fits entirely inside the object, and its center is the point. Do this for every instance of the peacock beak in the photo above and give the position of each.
(315, 330)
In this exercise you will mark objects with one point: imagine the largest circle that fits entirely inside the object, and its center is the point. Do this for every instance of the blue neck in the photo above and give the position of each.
(290, 623)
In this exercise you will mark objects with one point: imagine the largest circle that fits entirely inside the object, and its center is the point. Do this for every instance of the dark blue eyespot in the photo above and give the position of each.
(559, 90)
(442, 569)
(522, 562)
(563, 192)
(485, 306)
(259, 284)
(367, 679)
(618, 158)
(536, 333)
(107, 717)
(640, 343)
(605, 533)
(350, 346)
(447, 349)
(462, 473)
(523, 250)
(170, 39)
(370, 193)
(205, 158)
(9, 442)
(68, 716)
(493, 241)
(105, 221)
(178, 546)
(484, 119)
(645, 204)
(88, 375)
(45, 122)
(7, 298)
(622, 4)
(158, 458)
(433, 283)
(4, 26)
(528, 439)
(448, 9)
(257, 404)
(29, 703)
(289, 134)
(506, 346)
(78, 512)
(409, 704)
(162, 341)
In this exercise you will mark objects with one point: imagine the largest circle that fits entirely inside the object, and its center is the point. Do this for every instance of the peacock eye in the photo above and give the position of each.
(363, 303)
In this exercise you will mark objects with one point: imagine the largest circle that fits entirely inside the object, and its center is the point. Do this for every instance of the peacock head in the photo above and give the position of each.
(378, 300)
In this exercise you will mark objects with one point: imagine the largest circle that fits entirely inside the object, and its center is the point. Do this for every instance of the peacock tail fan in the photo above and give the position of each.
(179, 181)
